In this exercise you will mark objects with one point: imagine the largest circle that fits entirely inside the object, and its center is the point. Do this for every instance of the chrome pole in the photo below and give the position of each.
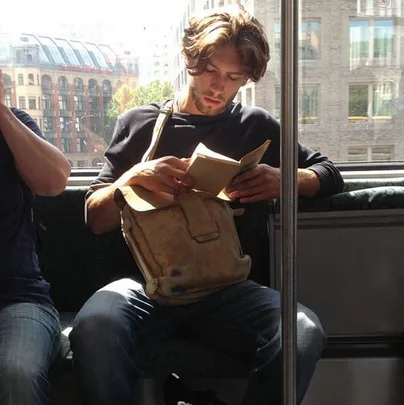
(289, 151)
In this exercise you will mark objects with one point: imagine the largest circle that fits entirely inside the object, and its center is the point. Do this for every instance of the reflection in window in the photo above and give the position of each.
(30, 79)
(378, 153)
(370, 39)
(373, 102)
(20, 79)
(309, 39)
(308, 104)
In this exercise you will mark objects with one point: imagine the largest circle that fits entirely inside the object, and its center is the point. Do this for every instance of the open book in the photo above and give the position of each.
(213, 172)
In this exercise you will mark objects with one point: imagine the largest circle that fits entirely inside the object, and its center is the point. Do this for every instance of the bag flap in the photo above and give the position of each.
(140, 199)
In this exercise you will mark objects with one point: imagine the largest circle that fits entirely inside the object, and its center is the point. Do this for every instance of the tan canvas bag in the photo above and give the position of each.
(186, 246)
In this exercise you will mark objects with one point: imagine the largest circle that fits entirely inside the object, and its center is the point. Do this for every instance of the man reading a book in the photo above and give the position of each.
(223, 50)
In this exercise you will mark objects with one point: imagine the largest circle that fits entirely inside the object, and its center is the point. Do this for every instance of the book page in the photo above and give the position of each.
(252, 158)
(204, 151)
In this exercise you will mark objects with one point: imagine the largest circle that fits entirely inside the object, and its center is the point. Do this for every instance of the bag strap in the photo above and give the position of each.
(165, 113)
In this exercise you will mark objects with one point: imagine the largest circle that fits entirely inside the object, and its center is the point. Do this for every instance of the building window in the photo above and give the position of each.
(308, 104)
(81, 145)
(78, 84)
(20, 79)
(7, 98)
(370, 102)
(371, 42)
(64, 123)
(63, 102)
(66, 145)
(92, 85)
(379, 153)
(22, 103)
(47, 103)
(31, 80)
(79, 103)
(48, 124)
(63, 84)
(46, 82)
(93, 103)
(309, 39)
(32, 103)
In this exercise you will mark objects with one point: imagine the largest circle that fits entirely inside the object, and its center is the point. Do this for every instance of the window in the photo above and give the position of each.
(78, 84)
(370, 102)
(308, 104)
(22, 103)
(66, 145)
(79, 103)
(64, 124)
(63, 102)
(350, 70)
(46, 82)
(371, 42)
(47, 103)
(81, 145)
(370, 153)
(47, 124)
(93, 103)
(62, 82)
(309, 39)
(32, 103)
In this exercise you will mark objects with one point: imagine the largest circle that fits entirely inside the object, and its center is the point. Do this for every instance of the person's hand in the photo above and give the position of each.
(166, 174)
(263, 182)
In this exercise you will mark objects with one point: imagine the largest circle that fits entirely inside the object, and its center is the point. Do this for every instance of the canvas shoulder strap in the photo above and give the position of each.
(165, 113)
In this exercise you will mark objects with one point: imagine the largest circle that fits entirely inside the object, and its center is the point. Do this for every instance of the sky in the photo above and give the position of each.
(126, 20)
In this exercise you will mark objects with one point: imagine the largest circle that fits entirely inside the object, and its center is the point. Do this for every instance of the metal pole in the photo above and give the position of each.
(289, 149)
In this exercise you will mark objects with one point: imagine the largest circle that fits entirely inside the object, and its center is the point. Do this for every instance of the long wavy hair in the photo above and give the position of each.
(228, 26)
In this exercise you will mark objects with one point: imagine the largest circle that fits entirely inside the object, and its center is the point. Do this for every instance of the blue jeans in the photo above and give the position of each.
(29, 341)
(242, 320)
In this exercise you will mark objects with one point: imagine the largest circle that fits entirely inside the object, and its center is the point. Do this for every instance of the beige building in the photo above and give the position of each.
(66, 86)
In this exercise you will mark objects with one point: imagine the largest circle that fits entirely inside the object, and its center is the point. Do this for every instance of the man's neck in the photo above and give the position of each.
(185, 104)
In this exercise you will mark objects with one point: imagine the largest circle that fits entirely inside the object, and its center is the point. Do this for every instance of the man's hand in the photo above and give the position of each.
(263, 182)
(166, 174)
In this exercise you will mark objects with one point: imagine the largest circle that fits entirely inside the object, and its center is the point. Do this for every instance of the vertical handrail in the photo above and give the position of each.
(289, 150)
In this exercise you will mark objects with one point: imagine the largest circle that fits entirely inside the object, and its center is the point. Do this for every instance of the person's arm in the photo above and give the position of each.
(316, 175)
(42, 166)
(166, 174)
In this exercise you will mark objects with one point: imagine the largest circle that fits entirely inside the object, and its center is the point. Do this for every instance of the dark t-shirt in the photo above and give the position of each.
(235, 132)
(20, 277)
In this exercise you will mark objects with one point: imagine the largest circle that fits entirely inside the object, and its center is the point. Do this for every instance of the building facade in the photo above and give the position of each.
(66, 86)
(351, 75)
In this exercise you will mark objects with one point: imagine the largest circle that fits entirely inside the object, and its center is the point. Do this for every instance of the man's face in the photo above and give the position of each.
(213, 90)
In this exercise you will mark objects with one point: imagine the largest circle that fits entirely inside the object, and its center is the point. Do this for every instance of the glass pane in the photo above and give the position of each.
(351, 85)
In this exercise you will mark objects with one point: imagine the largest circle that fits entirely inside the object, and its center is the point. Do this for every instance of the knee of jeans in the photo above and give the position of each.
(20, 377)
(311, 335)
(95, 332)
